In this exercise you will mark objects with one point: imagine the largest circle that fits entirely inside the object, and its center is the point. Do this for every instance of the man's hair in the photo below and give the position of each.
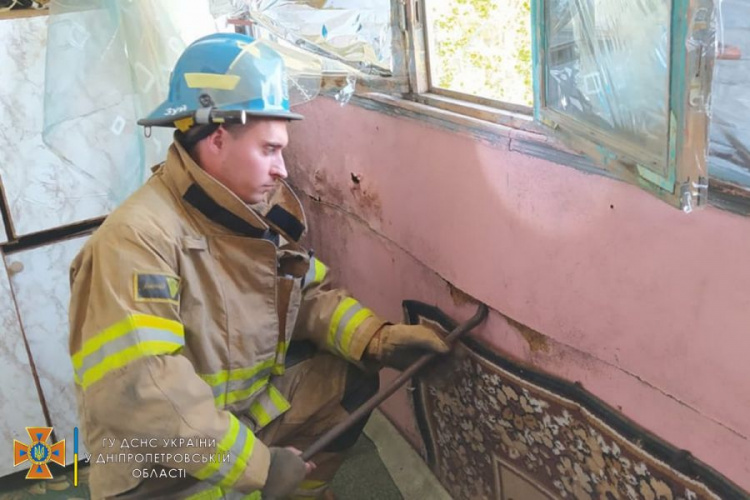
(197, 133)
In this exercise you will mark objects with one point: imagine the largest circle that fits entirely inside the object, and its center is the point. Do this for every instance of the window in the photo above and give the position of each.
(729, 152)
(482, 49)
(357, 39)
(624, 82)
(627, 83)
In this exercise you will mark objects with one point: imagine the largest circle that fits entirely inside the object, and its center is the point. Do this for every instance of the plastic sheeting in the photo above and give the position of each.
(609, 67)
(108, 64)
(730, 134)
(354, 32)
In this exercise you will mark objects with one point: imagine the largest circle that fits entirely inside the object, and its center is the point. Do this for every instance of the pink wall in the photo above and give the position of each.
(648, 307)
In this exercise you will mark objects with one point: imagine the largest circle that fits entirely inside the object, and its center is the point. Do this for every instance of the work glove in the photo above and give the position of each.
(286, 472)
(398, 346)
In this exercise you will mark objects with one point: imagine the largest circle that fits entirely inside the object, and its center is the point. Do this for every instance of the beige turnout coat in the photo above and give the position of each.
(183, 305)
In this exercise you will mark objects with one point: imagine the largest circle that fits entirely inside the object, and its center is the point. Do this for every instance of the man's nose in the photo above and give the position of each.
(279, 168)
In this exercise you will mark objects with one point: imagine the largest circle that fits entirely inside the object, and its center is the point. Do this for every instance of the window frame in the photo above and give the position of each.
(422, 89)
(690, 77)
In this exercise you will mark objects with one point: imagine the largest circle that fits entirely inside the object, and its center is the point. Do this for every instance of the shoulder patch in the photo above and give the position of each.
(154, 287)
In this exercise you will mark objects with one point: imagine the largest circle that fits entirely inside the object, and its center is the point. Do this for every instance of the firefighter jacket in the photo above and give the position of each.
(183, 304)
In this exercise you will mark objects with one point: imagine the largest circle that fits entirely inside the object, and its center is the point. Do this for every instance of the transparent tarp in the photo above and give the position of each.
(357, 32)
(730, 134)
(108, 64)
(608, 66)
(354, 32)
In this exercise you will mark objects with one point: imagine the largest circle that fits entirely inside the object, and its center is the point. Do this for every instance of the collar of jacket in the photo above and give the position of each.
(282, 213)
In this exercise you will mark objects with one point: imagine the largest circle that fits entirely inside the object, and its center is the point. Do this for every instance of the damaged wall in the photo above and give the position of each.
(645, 306)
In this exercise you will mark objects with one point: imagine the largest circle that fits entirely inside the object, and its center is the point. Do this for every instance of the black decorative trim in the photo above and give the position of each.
(286, 222)
(198, 198)
(680, 460)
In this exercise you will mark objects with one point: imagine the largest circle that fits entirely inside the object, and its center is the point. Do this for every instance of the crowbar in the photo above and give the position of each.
(395, 385)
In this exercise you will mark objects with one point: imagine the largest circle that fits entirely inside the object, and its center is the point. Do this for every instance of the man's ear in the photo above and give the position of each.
(216, 142)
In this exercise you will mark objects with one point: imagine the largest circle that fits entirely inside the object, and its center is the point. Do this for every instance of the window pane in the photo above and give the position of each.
(481, 47)
(608, 66)
(730, 136)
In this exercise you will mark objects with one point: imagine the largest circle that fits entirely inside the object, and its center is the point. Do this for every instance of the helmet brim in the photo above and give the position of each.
(157, 118)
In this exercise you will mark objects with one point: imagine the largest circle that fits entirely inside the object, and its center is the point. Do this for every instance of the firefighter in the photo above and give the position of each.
(207, 344)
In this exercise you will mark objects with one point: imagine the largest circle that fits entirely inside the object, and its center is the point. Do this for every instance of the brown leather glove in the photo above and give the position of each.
(286, 472)
(398, 346)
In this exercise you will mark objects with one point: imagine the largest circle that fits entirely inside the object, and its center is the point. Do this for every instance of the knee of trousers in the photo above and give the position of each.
(360, 386)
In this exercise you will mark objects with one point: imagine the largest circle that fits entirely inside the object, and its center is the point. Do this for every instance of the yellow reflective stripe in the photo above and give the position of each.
(211, 81)
(132, 322)
(281, 349)
(268, 406)
(255, 495)
(223, 447)
(351, 327)
(240, 463)
(347, 317)
(126, 356)
(278, 367)
(236, 373)
(339, 313)
(320, 271)
(315, 273)
(259, 414)
(239, 395)
(230, 386)
(279, 402)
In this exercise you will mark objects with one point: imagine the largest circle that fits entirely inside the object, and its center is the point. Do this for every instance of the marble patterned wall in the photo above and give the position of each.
(42, 293)
(44, 190)
(18, 391)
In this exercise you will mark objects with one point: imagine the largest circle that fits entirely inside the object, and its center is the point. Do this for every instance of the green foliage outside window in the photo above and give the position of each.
(482, 47)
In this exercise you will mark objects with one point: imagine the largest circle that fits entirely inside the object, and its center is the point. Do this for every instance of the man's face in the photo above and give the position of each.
(248, 160)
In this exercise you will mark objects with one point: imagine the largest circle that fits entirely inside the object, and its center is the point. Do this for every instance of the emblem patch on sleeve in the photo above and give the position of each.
(150, 287)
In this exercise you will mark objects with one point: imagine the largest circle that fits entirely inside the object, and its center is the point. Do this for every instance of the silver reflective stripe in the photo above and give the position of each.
(310, 275)
(130, 339)
(240, 385)
(235, 453)
(348, 315)
(268, 406)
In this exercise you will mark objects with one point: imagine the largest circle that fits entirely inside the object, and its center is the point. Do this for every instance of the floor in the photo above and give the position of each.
(381, 466)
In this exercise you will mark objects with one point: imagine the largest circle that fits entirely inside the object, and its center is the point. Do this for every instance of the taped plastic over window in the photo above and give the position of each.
(730, 121)
(356, 32)
(609, 67)
(108, 63)
(354, 38)
(635, 78)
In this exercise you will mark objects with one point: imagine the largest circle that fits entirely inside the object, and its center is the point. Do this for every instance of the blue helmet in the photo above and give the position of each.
(224, 77)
